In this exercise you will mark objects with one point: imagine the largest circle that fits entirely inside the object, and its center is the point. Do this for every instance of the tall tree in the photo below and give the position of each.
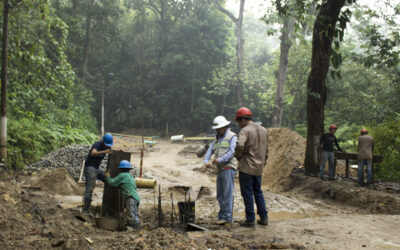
(323, 34)
(87, 39)
(285, 45)
(239, 46)
(4, 60)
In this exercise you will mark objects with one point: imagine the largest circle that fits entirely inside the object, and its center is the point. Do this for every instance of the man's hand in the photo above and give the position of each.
(207, 165)
(215, 162)
(107, 173)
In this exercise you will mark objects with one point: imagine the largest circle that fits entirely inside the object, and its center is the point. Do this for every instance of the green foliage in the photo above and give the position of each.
(47, 107)
(387, 143)
(28, 140)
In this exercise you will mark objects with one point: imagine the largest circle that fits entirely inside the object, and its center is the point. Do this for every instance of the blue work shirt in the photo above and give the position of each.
(225, 157)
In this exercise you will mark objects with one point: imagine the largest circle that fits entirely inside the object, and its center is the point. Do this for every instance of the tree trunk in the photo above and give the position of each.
(287, 29)
(239, 48)
(239, 54)
(87, 41)
(4, 61)
(323, 33)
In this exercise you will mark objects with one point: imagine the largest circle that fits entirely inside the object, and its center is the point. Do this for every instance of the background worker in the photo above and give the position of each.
(223, 148)
(92, 167)
(326, 143)
(127, 184)
(252, 153)
(365, 156)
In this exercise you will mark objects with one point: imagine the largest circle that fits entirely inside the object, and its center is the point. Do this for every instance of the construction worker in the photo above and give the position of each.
(252, 153)
(223, 148)
(365, 156)
(326, 144)
(92, 167)
(125, 181)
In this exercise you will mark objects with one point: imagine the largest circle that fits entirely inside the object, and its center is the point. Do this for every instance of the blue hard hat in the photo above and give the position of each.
(108, 140)
(124, 164)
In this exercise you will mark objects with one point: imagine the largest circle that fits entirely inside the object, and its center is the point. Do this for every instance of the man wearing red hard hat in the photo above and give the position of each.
(365, 156)
(252, 153)
(326, 143)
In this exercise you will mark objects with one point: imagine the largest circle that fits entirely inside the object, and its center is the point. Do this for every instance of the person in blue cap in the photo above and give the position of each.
(126, 183)
(92, 168)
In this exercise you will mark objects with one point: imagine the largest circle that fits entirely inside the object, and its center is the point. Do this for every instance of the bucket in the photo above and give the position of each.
(177, 138)
(202, 151)
(186, 212)
(107, 223)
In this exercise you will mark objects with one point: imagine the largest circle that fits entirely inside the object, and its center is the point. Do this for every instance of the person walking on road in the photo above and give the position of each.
(326, 143)
(223, 149)
(365, 156)
(92, 168)
(252, 154)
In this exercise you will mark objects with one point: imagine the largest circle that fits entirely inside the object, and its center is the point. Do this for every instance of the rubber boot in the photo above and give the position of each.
(86, 205)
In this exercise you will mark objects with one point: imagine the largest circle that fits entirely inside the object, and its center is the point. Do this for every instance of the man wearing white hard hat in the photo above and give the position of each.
(223, 149)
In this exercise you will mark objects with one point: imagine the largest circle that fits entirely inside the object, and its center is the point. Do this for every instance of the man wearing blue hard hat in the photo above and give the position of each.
(127, 184)
(92, 167)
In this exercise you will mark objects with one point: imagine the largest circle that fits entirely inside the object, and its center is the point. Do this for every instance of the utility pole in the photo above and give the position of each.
(4, 56)
(102, 101)
(102, 109)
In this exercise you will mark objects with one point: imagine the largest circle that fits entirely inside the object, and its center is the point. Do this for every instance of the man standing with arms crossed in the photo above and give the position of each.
(365, 156)
(252, 153)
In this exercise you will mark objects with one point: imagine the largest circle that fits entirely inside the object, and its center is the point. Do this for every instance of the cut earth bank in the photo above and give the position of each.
(304, 211)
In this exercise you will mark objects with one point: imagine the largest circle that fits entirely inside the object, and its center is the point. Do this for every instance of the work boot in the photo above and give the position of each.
(263, 222)
(247, 223)
(86, 206)
(221, 222)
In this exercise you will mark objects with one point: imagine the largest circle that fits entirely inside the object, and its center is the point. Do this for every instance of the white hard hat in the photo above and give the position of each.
(220, 122)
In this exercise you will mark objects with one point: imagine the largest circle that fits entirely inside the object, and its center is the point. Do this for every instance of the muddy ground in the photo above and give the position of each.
(305, 212)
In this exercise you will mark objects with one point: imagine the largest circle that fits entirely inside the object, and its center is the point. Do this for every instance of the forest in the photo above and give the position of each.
(179, 63)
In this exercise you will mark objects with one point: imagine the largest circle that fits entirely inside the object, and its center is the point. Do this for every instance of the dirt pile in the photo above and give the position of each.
(55, 181)
(374, 199)
(286, 152)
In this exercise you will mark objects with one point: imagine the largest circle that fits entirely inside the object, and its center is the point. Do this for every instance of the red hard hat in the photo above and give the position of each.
(243, 112)
(333, 126)
(363, 131)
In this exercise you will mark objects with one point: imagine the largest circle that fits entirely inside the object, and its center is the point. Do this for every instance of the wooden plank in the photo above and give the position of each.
(347, 168)
(193, 193)
(353, 156)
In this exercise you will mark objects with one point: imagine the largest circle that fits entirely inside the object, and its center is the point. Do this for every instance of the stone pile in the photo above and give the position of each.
(70, 157)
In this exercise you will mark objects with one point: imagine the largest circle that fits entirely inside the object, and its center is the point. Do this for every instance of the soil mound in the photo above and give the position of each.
(55, 181)
(286, 152)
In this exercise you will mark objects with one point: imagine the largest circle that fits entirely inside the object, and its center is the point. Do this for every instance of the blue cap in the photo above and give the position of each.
(124, 164)
(108, 140)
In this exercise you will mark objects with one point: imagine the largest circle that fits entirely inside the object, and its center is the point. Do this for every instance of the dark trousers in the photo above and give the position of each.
(250, 185)
(91, 175)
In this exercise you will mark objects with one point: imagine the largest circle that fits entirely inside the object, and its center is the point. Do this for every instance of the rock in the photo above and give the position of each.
(70, 157)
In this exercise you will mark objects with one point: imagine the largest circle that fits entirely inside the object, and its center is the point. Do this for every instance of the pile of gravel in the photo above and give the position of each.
(70, 157)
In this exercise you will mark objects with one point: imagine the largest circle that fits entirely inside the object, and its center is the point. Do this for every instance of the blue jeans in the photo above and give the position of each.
(225, 187)
(361, 164)
(132, 207)
(250, 185)
(91, 175)
(326, 156)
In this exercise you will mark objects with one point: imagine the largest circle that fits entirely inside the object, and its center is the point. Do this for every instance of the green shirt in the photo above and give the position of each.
(126, 183)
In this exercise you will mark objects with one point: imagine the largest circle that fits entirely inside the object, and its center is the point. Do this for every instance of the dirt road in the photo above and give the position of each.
(298, 218)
